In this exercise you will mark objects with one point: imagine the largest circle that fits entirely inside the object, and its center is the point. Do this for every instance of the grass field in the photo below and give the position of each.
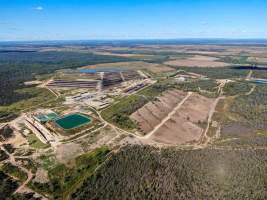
(35, 142)
(119, 112)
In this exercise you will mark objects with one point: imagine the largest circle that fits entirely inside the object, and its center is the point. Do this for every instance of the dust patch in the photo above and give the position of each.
(41, 176)
(197, 61)
(151, 114)
(67, 152)
(181, 126)
(184, 126)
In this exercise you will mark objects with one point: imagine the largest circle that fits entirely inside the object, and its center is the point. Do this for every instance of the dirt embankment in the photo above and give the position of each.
(176, 118)
(152, 113)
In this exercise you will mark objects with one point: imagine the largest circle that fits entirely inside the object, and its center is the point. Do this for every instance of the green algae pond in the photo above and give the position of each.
(72, 121)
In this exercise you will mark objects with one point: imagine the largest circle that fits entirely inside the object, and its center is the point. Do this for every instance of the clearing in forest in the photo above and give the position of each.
(174, 118)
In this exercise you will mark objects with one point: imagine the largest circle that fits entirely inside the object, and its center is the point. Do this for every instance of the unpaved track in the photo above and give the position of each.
(211, 112)
(205, 139)
(13, 162)
(52, 91)
(167, 117)
(122, 77)
(251, 90)
(38, 105)
(29, 175)
(249, 75)
(156, 128)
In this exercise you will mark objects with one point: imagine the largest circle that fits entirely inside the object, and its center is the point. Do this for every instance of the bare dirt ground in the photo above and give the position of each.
(41, 176)
(126, 55)
(66, 152)
(177, 131)
(204, 58)
(176, 118)
(104, 135)
(197, 61)
(155, 68)
(196, 108)
(151, 114)
(184, 125)
(16, 141)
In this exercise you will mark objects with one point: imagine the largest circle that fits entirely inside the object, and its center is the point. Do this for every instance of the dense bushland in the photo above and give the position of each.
(148, 173)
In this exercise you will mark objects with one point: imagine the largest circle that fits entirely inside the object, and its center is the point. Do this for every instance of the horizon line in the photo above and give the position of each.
(132, 39)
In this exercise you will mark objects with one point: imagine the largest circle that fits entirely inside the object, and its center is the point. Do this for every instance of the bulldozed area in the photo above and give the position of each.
(174, 118)
(197, 61)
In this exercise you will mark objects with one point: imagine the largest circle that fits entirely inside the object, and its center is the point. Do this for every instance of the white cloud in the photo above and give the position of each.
(39, 8)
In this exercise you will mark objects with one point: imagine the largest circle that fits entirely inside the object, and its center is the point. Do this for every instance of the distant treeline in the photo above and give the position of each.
(17, 67)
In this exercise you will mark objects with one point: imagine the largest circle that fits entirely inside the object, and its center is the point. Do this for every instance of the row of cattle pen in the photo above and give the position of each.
(109, 79)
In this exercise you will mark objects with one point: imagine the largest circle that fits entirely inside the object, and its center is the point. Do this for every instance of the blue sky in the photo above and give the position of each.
(131, 19)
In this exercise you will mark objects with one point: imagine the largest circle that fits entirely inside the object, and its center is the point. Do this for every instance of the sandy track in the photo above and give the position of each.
(151, 114)
(249, 75)
(29, 173)
(183, 126)
(205, 139)
(168, 116)
(175, 118)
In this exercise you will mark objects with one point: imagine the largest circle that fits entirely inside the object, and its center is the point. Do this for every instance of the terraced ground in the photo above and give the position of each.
(152, 113)
(174, 118)
(185, 125)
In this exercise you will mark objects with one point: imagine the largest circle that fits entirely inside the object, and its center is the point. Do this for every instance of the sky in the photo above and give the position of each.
(131, 19)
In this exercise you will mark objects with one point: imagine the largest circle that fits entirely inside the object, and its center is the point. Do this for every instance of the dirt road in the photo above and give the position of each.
(14, 162)
(249, 75)
(167, 117)
(211, 112)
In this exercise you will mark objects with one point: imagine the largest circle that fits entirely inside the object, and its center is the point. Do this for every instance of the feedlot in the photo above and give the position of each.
(174, 118)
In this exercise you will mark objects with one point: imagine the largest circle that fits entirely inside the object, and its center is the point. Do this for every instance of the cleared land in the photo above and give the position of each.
(197, 61)
(175, 118)
(155, 68)
(185, 125)
(152, 113)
